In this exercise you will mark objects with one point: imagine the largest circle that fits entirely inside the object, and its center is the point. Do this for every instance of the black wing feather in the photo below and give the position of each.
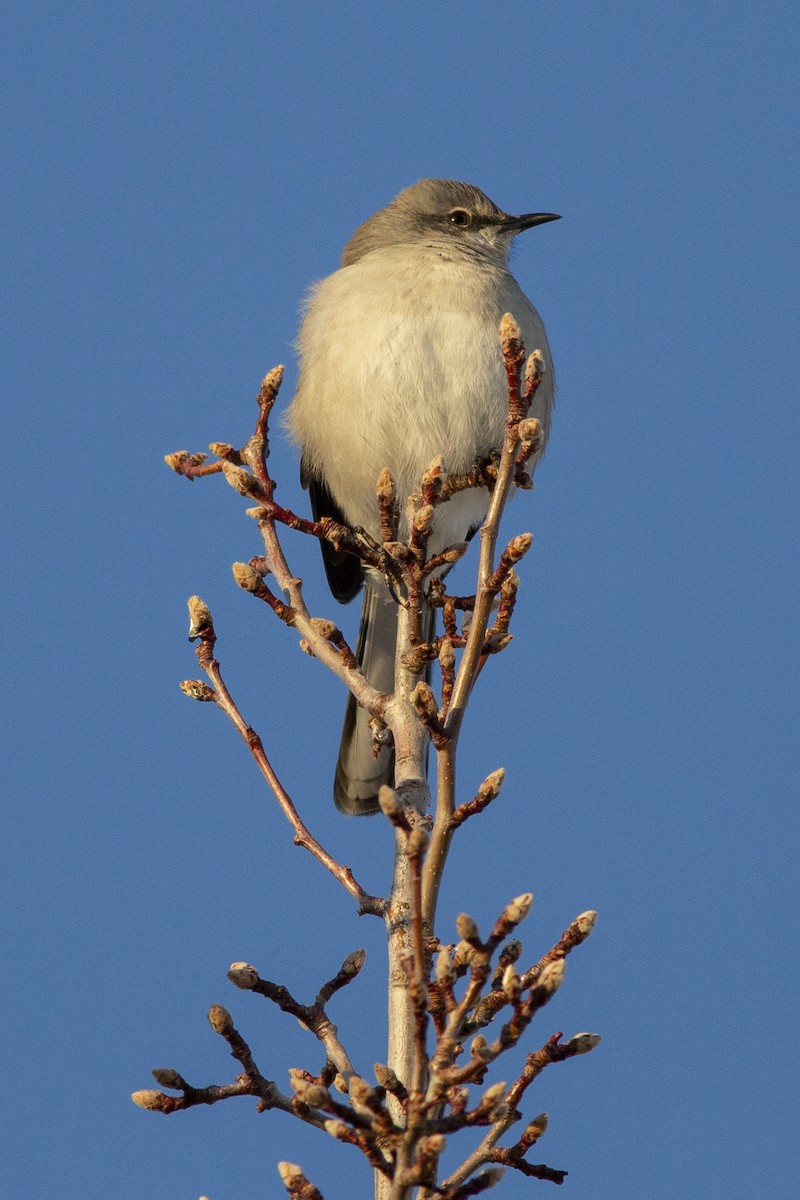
(343, 570)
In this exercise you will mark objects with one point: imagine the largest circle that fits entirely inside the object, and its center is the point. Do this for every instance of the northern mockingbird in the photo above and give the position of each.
(400, 362)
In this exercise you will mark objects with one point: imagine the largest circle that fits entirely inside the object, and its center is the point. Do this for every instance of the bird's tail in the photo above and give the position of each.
(359, 773)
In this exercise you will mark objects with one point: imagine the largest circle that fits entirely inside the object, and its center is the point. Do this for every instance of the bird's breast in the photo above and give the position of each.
(400, 362)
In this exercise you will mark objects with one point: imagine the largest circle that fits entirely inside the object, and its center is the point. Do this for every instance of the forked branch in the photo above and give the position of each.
(443, 995)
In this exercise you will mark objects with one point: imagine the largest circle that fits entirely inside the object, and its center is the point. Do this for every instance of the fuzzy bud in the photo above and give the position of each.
(447, 655)
(466, 928)
(492, 783)
(463, 954)
(551, 977)
(453, 553)
(433, 1144)
(182, 458)
(353, 963)
(511, 952)
(195, 689)
(534, 367)
(389, 803)
(386, 1078)
(240, 480)
(494, 645)
(150, 1099)
(385, 485)
(200, 619)
(444, 972)
(338, 1130)
(246, 577)
(363, 1097)
(519, 546)
(296, 1183)
(423, 519)
(310, 1093)
(289, 1172)
(243, 976)
(492, 1094)
(530, 430)
(586, 921)
(424, 700)
(582, 1043)
(167, 1077)
(533, 1131)
(434, 469)
(479, 1049)
(220, 1019)
(273, 379)
(517, 910)
(512, 985)
(222, 449)
(509, 330)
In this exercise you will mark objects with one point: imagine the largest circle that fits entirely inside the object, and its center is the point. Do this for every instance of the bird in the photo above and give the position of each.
(399, 362)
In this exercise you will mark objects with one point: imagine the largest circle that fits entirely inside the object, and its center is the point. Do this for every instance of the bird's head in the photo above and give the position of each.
(442, 213)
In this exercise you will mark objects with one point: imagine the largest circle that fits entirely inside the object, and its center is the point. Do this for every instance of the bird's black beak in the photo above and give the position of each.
(528, 220)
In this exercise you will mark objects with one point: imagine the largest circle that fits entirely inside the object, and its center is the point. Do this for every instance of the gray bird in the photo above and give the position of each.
(400, 362)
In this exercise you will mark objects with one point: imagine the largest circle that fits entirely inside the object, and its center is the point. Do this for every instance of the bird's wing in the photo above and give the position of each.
(342, 569)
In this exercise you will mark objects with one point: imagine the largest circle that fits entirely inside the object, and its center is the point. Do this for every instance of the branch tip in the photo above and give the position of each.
(586, 922)
(390, 806)
(200, 619)
(551, 978)
(509, 331)
(149, 1099)
(467, 928)
(296, 1184)
(246, 576)
(168, 1077)
(195, 689)
(220, 1020)
(273, 379)
(243, 976)
(354, 962)
(582, 1043)
(241, 480)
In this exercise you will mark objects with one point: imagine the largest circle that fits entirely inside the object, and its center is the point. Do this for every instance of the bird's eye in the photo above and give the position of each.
(459, 216)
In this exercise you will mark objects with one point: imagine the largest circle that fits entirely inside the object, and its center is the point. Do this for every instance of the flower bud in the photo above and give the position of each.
(150, 1099)
(220, 1019)
(551, 977)
(467, 928)
(582, 1043)
(167, 1077)
(246, 577)
(243, 976)
(200, 620)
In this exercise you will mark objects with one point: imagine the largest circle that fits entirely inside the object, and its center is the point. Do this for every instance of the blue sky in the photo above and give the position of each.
(175, 176)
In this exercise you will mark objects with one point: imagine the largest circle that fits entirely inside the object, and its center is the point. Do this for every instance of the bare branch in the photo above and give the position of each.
(424, 1093)
(312, 1016)
(202, 628)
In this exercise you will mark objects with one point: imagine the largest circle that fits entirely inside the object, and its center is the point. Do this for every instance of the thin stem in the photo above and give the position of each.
(302, 836)
(442, 832)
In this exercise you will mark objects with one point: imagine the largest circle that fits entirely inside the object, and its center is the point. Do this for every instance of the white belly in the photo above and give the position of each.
(400, 362)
